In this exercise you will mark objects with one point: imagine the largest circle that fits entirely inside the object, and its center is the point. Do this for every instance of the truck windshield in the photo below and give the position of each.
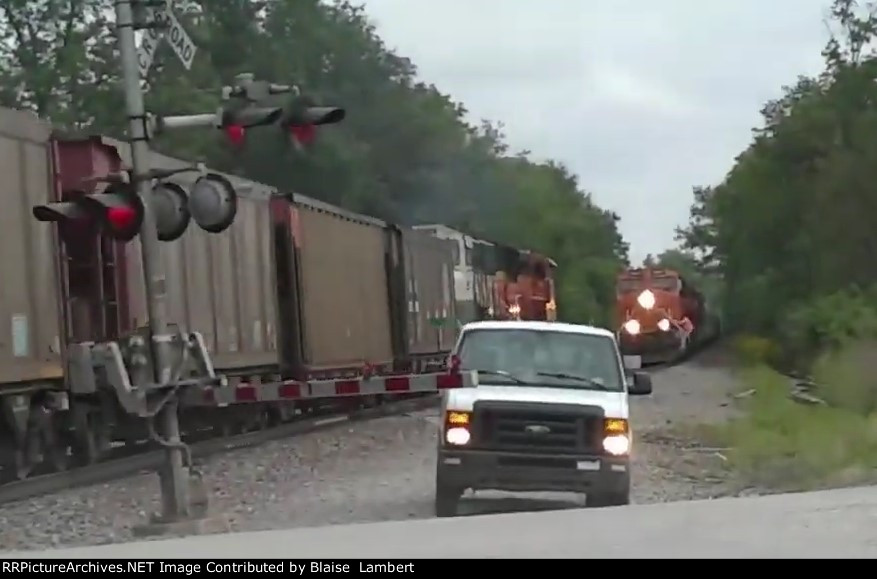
(540, 358)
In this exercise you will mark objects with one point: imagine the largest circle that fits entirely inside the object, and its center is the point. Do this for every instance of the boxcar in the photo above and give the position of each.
(429, 289)
(30, 328)
(342, 284)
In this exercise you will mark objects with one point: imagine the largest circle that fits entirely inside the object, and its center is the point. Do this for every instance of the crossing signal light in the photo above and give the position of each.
(118, 212)
(235, 121)
(301, 117)
(236, 134)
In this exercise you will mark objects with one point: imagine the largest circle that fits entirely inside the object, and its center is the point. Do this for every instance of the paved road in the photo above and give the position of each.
(380, 470)
(828, 524)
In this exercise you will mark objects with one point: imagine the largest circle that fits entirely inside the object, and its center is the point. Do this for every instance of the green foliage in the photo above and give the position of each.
(404, 153)
(847, 379)
(782, 444)
(793, 226)
(826, 323)
(755, 350)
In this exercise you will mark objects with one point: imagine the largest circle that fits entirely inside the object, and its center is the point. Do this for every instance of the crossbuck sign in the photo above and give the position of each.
(170, 30)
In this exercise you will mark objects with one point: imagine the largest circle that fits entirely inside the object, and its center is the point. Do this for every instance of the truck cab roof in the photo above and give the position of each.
(539, 327)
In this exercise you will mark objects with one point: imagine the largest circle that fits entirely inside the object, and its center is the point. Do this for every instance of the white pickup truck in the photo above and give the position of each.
(549, 413)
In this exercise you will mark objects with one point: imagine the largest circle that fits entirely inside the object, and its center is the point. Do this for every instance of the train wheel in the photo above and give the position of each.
(54, 440)
(23, 466)
(90, 434)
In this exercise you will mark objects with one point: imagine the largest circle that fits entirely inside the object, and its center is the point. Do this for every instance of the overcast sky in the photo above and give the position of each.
(642, 99)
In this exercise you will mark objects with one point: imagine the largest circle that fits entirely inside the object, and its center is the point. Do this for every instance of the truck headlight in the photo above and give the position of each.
(616, 444)
(458, 436)
(457, 427)
(664, 325)
(616, 436)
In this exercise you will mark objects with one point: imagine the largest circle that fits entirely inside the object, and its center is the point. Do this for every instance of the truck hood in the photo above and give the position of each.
(613, 403)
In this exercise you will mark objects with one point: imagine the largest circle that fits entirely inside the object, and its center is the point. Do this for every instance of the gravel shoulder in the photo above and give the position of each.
(378, 470)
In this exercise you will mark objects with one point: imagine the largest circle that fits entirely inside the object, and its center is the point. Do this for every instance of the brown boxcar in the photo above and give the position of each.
(221, 285)
(30, 338)
(429, 269)
(343, 284)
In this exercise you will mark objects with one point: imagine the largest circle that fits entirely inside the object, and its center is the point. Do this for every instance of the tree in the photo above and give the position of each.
(404, 154)
(796, 217)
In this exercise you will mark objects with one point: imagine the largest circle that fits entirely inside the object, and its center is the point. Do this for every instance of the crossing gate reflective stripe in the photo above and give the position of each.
(285, 391)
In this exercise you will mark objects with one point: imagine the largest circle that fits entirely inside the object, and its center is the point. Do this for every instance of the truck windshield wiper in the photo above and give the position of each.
(504, 374)
(577, 378)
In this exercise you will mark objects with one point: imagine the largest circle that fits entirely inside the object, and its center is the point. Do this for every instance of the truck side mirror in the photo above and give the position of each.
(640, 384)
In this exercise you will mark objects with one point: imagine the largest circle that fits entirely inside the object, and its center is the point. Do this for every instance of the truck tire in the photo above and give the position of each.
(446, 500)
(608, 499)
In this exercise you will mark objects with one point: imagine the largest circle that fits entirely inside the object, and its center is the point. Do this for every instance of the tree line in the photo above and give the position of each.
(792, 228)
(405, 153)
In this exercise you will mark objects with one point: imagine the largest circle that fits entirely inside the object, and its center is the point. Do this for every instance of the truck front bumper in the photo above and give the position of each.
(507, 471)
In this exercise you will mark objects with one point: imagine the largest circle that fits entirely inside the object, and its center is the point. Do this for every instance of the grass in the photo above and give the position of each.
(784, 445)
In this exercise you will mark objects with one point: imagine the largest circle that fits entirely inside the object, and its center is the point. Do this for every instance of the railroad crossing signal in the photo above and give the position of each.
(298, 119)
(118, 211)
(170, 29)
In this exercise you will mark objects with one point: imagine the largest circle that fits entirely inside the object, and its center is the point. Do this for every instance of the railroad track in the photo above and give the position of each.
(151, 460)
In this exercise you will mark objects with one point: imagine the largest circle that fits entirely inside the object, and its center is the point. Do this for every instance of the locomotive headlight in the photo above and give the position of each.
(646, 299)
(632, 327)
(664, 325)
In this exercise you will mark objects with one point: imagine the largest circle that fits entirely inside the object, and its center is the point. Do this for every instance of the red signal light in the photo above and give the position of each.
(122, 218)
(236, 134)
(303, 134)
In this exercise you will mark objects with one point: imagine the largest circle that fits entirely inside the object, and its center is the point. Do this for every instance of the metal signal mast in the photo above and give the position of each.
(147, 370)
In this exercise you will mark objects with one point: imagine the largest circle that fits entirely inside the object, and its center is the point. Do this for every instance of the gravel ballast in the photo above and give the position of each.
(376, 470)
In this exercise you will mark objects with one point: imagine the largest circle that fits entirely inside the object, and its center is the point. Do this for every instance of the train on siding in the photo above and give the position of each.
(301, 304)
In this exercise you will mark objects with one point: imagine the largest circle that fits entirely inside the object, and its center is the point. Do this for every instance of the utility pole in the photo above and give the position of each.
(174, 477)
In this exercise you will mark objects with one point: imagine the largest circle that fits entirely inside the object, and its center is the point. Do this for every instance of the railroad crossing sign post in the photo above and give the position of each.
(175, 476)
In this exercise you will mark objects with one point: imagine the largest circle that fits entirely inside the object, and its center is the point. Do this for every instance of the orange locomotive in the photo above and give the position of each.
(529, 294)
(660, 317)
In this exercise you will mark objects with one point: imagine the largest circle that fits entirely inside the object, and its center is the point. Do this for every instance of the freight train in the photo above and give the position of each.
(299, 303)
(660, 316)
(495, 281)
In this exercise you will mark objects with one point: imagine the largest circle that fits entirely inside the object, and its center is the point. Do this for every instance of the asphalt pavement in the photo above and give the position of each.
(827, 524)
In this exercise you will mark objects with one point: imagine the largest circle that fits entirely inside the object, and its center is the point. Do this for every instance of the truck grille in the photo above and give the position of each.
(538, 428)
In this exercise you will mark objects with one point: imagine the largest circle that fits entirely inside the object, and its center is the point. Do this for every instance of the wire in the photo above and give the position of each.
(169, 395)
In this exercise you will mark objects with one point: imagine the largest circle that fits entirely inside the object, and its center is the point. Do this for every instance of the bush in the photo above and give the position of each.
(847, 379)
(783, 444)
(828, 323)
(755, 350)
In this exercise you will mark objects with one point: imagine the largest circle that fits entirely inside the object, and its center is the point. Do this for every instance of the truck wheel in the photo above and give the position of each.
(610, 499)
(446, 500)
